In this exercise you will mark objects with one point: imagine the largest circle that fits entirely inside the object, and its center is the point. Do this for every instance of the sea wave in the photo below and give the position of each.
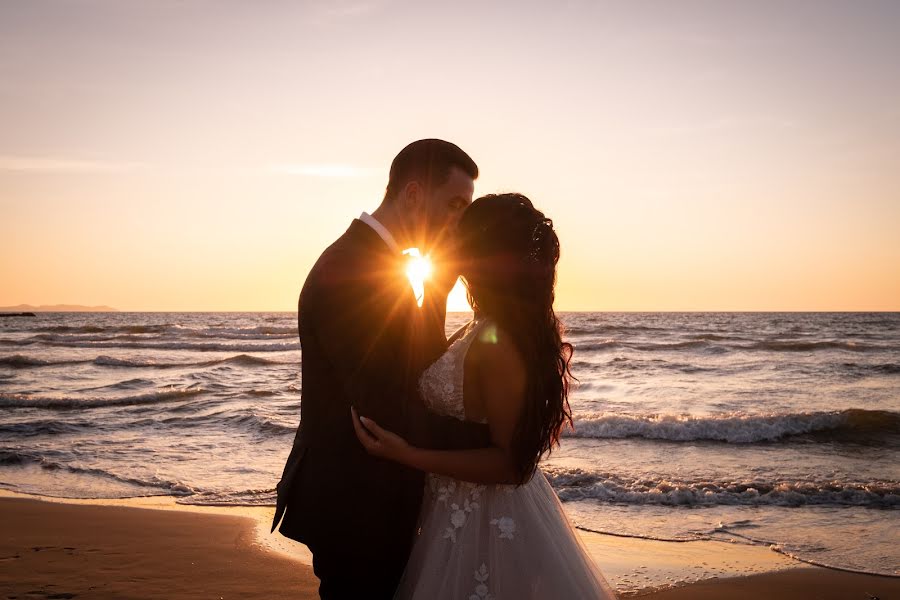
(685, 345)
(266, 497)
(597, 346)
(127, 384)
(248, 360)
(577, 484)
(11, 457)
(723, 344)
(265, 332)
(260, 424)
(74, 333)
(239, 359)
(637, 364)
(868, 369)
(54, 339)
(700, 345)
(717, 337)
(809, 346)
(111, 361)
(593, 328)
(850, 425)
(174, 345)
(76, 329)
(243, 422)
(43, 427)
(21, 361)
(72, 402)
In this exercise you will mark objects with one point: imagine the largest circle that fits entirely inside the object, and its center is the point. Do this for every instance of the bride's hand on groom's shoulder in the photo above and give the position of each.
(379, 441)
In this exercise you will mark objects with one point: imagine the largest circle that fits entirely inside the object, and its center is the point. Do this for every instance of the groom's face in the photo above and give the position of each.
(444, 206)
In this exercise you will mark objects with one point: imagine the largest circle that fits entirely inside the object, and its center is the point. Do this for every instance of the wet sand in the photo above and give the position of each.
(812, 583)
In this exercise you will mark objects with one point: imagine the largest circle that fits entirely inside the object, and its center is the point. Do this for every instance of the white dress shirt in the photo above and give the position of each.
(381, 230)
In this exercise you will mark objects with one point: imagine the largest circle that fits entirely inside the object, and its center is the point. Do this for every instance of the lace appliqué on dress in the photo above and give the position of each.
(507, 527)
(481, 589)
(445, 489)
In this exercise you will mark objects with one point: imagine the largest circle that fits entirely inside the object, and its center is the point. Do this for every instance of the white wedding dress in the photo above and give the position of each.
(483, 542)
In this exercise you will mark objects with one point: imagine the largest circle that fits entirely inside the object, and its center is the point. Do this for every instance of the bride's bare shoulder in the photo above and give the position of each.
(497, 360)
(496, 381)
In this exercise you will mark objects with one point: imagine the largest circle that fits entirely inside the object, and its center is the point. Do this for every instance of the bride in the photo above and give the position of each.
(490, 526)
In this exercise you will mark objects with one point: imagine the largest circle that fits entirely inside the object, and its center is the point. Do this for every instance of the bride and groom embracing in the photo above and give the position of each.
(413, 473)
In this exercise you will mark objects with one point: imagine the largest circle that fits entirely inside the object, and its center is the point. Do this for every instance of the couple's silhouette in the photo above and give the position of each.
(413, 471)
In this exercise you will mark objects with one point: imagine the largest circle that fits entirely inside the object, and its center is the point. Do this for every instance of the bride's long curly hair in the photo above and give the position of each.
(509, 253)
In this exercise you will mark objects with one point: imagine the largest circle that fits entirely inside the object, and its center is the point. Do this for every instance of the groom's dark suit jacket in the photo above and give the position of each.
(364, 343)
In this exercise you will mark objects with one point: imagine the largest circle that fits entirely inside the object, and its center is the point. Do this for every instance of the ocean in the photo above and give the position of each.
(772, 429)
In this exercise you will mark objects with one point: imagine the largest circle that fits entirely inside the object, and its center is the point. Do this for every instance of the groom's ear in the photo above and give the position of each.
(412, 197)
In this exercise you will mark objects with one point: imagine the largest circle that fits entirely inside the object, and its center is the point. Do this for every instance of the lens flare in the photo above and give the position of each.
(418, 270)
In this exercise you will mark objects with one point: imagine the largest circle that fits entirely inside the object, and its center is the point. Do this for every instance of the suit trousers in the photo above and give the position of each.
(344, 575)
(348, 566)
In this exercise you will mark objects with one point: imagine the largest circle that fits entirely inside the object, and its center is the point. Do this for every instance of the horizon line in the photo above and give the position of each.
(2, 311)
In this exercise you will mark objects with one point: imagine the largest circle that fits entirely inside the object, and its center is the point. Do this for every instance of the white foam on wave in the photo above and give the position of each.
(737, 428)
(262, 497)
(577, 484)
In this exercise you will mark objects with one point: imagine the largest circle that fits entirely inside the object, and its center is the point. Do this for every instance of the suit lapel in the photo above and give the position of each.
(364, 235)
(388, 269)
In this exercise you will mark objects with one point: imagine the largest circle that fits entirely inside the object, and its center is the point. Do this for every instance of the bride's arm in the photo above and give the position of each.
(500, 376)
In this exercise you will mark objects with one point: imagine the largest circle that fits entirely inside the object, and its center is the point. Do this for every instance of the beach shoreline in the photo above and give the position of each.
(152, 548)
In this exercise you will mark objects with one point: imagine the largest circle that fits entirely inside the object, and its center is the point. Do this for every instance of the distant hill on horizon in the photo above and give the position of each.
(57, 308)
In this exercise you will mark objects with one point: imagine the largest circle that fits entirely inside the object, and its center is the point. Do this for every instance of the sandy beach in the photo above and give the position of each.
(54, 550)
(133, 549)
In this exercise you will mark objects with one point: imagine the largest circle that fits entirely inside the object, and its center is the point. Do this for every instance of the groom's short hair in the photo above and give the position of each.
(429, 162)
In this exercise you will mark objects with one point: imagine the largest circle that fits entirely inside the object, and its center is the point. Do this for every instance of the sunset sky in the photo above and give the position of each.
(199, 155)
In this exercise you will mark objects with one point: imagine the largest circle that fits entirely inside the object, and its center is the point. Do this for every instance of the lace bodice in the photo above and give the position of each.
(441, 385)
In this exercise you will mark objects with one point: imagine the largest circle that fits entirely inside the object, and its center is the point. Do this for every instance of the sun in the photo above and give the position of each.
(418, 270)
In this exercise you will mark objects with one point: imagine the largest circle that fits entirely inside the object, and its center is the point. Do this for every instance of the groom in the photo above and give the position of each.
(365, 341)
